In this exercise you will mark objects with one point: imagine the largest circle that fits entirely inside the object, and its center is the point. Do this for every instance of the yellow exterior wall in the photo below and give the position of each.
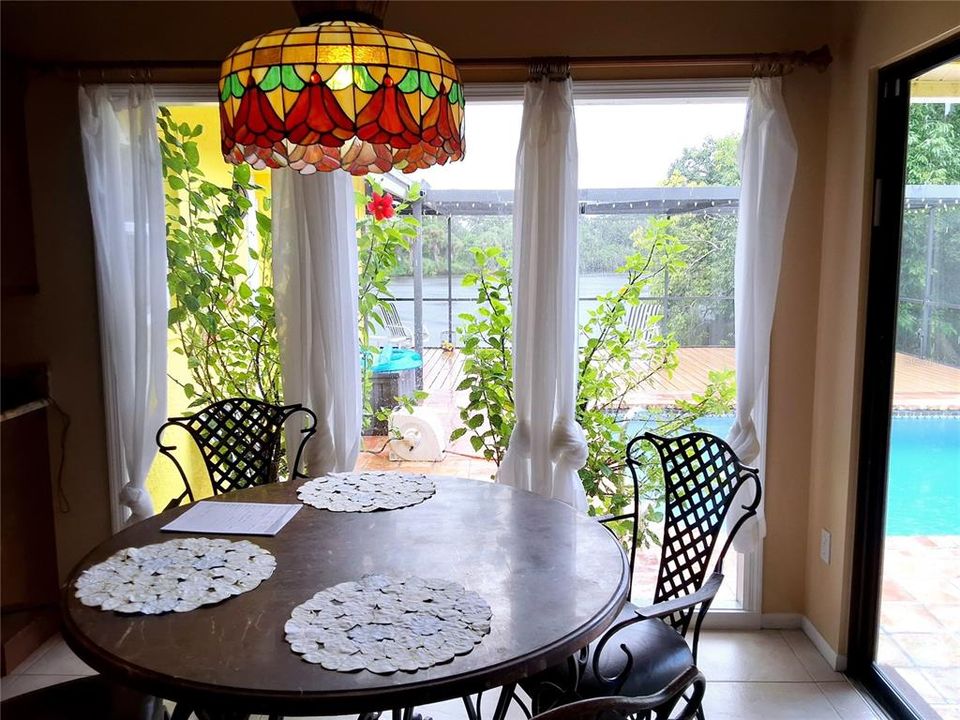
(163, 480)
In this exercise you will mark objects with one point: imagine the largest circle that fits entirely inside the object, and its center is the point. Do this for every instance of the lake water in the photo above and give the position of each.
(436, 313)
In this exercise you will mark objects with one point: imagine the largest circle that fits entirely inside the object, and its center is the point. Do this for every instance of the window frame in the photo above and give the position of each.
(749, 589)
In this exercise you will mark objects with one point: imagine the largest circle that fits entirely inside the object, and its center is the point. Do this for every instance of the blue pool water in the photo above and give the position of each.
(923, 495)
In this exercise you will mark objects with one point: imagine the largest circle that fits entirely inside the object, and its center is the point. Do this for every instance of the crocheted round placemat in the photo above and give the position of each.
(178, 575)
(366, 491)
(384, 624)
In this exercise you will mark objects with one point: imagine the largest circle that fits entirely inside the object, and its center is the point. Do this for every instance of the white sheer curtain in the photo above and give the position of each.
(768, 163)
(315, 288)
(547, 446)
(125, 182)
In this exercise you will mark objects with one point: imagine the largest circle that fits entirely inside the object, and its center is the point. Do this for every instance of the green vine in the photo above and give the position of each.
(615, 360)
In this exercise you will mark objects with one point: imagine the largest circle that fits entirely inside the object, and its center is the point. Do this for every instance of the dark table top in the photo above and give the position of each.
(554, 578)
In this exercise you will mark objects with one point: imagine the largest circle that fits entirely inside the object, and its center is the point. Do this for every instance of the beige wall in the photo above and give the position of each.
(801, 409)
(59, 325)
(873, 35)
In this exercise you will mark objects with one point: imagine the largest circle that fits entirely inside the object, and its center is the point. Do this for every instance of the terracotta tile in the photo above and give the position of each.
(930, 649)
(945, 681)
(907, 617)
(894, 591)
(946, 712)
(914, 680)
(947, 614)
(889, 653)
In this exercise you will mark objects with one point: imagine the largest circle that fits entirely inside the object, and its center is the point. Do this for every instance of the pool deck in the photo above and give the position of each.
(919, 641)
(918, 385)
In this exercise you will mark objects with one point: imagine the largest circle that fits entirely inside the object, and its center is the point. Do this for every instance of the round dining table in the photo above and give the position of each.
(554, 578)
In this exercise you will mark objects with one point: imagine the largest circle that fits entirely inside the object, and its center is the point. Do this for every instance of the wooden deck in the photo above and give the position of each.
(918, 384)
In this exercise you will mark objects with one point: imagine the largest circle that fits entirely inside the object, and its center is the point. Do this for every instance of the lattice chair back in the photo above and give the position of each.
(240, 442)
(702, 475)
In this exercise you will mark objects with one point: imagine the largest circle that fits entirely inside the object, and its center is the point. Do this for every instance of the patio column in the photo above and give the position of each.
(417, 252)
(928, 284)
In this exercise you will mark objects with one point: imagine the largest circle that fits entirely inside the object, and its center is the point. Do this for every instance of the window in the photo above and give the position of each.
(663, 200)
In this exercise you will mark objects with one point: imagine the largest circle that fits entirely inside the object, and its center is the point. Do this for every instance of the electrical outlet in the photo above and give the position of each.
(825, 546)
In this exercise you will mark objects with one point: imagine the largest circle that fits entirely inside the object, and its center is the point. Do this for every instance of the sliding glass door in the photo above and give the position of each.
(906, 628)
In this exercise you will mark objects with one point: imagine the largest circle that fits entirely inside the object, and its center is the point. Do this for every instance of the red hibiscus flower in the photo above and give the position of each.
(381, 206)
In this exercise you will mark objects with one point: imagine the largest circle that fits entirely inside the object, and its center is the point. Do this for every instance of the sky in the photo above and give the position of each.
(620, 145)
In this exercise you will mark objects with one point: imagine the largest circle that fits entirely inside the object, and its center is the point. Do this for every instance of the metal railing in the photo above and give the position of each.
(696, 320)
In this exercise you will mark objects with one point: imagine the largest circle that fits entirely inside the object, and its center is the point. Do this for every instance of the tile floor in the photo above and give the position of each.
(760, 675)
(919, 642)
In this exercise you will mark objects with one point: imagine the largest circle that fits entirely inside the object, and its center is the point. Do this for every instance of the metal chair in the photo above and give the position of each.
(650, 707)
(89, 697)
(239, 440)
(645, 649)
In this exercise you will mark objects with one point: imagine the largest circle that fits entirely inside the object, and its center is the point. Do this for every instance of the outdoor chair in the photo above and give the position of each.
(645, 650)
(88, 697)
(240, 442)
(639, 317)
(395, 333)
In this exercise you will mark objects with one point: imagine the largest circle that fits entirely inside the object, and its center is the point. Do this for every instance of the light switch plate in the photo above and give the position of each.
(825, 546)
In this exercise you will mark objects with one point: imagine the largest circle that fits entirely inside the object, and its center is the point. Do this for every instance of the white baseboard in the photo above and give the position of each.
(782, 621)
(836, 661)
(731, 620)
(739, 620)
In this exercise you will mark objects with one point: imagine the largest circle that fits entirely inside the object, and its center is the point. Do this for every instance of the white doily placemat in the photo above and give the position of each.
(384, 624)
(366, 491)
(178, 575)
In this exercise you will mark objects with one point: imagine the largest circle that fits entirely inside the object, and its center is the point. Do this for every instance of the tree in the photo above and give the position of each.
(713, 162)
(614, 361)
(705, 271)
(933, 144)
(933, 158)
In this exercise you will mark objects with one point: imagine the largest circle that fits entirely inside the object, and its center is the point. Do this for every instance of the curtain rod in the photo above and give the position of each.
(786, 61)
(762, 63)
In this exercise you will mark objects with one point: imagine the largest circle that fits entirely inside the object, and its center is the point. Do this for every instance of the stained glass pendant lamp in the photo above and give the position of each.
(340, 94)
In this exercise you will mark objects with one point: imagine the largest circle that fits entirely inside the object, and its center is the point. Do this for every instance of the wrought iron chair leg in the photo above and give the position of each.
(470, 707)
(523, 706)
(503, 702)
(182, 711)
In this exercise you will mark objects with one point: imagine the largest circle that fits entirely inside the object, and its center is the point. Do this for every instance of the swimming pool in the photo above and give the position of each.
(924, 489)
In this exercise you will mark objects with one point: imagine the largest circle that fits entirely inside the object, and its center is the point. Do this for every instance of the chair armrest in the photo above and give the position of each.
(611, 518)
(706, 593)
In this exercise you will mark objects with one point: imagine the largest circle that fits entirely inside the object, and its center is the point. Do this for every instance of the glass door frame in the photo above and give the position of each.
(883, 281)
